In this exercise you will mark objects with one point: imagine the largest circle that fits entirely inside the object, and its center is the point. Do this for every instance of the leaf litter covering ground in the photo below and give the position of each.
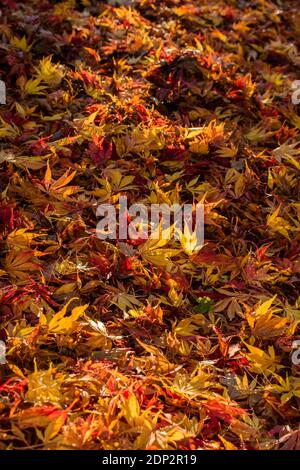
(154, 347)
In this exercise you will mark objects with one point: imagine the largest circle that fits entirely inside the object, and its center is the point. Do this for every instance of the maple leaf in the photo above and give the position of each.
(43, 387)
(223, 409)
(258, 133)
(227, 152)
(7, 129)
(264, 323)
(152, 250)
(54, 428)
(30, 87)
(125, 301)
(140, 140)
(262, 362)
(287, 388)
(159, 360)
(189, 241)
(188, 326)
(191, 385)
(19, 264)
(38, 416)
(62, 324)
(20, 43)
(48, 72)
(132, 410)
(58, 189)
(248, 429)
(21, 238)
(278, 224)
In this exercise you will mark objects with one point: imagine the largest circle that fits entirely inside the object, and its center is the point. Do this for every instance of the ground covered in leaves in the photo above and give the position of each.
(144, 345)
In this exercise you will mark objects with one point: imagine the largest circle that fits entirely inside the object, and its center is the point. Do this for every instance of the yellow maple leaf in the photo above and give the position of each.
(278, 224)
(20, 264)
(262, 362)
(48, 72)
(131, 409)
(30, 87)
(44, 387)
(62, 324)
(188, 326)
(20, 43)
